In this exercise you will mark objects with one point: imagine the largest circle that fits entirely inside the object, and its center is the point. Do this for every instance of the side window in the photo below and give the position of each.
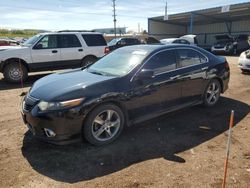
(48, 42)
(162, 62)
(69, 41)
(188, 57)
(94, 40)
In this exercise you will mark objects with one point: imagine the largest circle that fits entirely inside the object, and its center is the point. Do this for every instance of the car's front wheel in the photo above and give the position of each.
(212, 93)
(15, 72)
(104, 124)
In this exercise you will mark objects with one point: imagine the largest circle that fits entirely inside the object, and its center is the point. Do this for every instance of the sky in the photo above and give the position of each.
(92, 14)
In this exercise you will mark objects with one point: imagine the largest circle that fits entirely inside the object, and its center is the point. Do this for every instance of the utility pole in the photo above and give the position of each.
(114, 15)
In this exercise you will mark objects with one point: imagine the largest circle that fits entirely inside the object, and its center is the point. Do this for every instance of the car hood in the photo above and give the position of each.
(11, 47)
(65, 86)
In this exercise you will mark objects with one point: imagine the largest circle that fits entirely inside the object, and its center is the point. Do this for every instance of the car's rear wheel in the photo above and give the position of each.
(104, 124)
(15, 72)
(88, 61)
(212, 93)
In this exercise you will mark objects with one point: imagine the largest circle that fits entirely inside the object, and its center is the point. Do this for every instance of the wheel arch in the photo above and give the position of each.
(89, 56)
(111, 101)
(15, 59)
(221, 83)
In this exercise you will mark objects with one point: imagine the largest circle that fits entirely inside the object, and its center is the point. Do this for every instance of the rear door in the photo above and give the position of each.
(71, 50)
(192, 67)
(95, 44)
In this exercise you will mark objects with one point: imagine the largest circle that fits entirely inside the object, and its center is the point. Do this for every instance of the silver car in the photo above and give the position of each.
(244, 61)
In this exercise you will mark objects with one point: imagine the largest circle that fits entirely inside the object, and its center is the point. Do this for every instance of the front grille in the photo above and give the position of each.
(29, 102)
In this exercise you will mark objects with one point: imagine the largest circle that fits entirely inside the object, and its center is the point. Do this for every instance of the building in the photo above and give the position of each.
(119, 30)
(206, 23)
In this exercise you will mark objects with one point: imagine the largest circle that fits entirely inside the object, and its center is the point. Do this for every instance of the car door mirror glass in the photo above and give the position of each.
(38, 46)
(145, 74)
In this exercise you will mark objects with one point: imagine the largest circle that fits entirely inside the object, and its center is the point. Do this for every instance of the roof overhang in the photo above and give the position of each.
(208, 16)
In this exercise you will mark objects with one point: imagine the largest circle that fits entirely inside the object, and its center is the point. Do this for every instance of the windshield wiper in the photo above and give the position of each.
(96, 72)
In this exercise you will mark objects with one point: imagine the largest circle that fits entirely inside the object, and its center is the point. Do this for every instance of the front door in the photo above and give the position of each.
(46, 52)
(159, 93)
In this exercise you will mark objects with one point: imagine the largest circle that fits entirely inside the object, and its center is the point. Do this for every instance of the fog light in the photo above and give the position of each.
(49, 133)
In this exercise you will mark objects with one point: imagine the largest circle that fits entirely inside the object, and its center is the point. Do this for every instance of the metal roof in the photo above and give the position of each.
(237, 12)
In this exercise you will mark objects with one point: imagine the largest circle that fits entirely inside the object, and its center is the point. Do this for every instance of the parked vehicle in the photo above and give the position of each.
(151, 40)
(174, 41)
(121, 42)
(242, 43)
(128, 86)
(227, 44)
(244, 61)
(186, 39)
(51, 51)
(8, 42)
(192, 39)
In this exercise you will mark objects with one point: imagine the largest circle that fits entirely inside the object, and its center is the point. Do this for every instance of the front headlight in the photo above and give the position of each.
(46, 106)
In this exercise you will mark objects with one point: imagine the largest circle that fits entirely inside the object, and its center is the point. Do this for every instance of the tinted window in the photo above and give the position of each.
(69, 41)
(161, 62)
(94, 40)
(189, 57)
(48, 42)
(181, 41)
(132, 41)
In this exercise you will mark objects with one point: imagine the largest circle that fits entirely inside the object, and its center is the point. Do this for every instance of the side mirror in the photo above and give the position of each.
(38, 46)
(146, 74)
(118, 43)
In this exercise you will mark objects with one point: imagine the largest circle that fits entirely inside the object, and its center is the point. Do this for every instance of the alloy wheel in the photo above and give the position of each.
(213, 93)
(15, 73)
(106, 125)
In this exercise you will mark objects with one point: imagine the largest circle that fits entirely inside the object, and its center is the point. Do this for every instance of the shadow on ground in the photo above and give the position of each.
(165, 137)
(4, 85)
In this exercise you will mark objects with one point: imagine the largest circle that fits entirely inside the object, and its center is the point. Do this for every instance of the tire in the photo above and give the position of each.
(88, 61)
(15, 72)
(212, 93)
(244, 71)
(99, 128)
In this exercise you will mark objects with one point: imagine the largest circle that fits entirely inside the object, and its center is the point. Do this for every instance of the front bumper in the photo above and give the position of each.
(66, 124)
(221, 50)
(244, 63)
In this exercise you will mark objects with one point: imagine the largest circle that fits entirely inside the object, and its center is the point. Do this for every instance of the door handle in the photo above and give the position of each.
(204, 68)
(54, 51)
(80, 50)
(174, 77)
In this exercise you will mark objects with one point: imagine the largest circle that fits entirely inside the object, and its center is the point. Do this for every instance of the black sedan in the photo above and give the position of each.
(128, 86)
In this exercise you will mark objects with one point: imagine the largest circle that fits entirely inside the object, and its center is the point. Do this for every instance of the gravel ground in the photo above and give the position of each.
(181, 149)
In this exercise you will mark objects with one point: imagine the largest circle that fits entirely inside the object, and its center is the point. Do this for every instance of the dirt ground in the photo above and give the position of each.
(181, 149)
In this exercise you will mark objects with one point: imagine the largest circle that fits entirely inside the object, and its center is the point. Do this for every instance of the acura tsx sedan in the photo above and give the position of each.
(128, 86)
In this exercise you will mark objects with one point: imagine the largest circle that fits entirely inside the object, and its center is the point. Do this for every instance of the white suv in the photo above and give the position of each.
(51, 51)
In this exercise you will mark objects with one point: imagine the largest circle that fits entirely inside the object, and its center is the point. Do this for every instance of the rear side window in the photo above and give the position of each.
(188, 57)
(132, 41)
(94, 40)
(162, 62)
(69, 41)
(181, 41)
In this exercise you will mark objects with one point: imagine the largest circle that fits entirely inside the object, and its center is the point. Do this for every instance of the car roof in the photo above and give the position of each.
(156, 47)
(72, 32)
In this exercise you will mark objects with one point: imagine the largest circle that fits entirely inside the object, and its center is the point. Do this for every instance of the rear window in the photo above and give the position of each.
(94, 40)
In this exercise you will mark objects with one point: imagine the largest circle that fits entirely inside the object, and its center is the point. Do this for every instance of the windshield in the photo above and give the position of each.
(118, 63)
(113, 42)
(31, 40)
